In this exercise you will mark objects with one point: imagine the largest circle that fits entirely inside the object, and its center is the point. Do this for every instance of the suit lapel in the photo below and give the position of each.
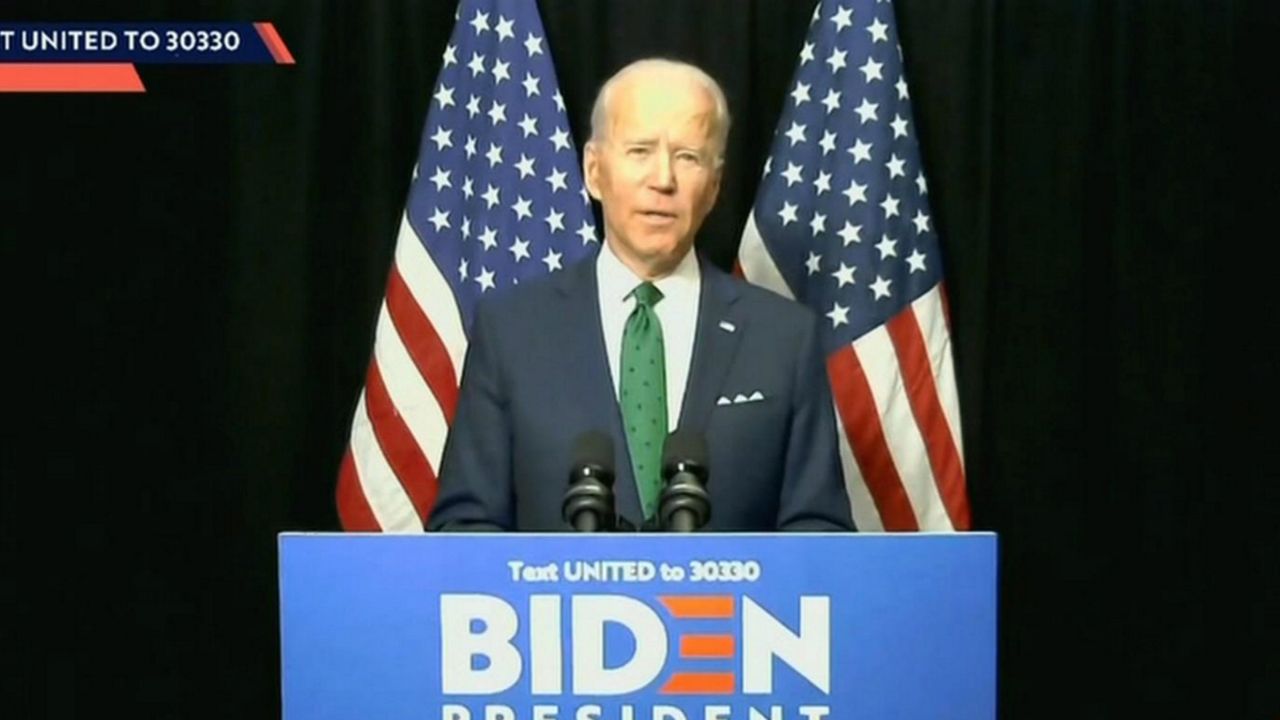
(714, 346)
(578, 285)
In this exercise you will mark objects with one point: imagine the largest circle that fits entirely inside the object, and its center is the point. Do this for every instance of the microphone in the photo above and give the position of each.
(684, 505)
(588, 503)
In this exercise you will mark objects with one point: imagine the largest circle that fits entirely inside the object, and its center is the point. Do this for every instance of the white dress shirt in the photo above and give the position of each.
(677, 311)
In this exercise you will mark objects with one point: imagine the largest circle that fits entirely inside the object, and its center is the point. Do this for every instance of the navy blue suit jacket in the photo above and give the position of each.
(537, 375)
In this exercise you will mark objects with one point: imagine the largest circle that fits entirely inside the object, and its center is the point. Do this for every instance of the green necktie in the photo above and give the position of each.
(644, 394)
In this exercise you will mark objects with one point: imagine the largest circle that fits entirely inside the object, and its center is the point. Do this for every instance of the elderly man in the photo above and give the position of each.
(643, 339)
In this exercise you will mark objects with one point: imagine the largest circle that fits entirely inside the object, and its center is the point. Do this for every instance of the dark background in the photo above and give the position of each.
(190, 279)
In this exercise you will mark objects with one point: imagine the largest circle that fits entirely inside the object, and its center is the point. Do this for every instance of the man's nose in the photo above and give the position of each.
(661, 176)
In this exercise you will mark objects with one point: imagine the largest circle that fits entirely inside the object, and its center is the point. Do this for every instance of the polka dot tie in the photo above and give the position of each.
(644, 394)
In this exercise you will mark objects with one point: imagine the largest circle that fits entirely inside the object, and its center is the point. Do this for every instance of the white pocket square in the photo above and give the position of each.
(740, 399)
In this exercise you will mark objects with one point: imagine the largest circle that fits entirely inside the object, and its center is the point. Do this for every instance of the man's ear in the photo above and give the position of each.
(591, 168)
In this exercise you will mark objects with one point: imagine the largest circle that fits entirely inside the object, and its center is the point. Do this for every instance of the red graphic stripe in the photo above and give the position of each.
(70, 77)
(353, 508)
(698, 607)
(267, 31)
(398, 445)
(862, 429)
(423, 343)
(917, 377)
(706, 646)
(698, 684)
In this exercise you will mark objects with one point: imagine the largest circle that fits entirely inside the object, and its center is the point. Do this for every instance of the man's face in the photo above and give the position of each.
(655, 171)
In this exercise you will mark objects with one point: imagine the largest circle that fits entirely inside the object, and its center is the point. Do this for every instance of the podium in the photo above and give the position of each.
(638, 626)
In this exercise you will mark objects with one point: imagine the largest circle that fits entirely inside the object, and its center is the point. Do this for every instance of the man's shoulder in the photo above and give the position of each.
(531, 298)
(757, 301)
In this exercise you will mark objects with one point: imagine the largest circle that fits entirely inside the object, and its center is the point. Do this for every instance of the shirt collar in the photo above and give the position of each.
(617, 280)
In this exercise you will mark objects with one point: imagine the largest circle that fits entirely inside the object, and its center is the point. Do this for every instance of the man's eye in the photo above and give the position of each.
(638, 151)
(689, 157)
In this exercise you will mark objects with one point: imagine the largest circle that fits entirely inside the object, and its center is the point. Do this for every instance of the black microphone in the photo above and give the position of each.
(588, 503)
(684, 505)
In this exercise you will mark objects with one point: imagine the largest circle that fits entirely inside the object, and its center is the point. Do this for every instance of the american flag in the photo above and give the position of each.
(842, 223)
(496, 198)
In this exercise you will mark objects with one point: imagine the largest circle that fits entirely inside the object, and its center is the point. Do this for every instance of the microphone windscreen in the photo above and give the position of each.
(684, 446)
(593, 448)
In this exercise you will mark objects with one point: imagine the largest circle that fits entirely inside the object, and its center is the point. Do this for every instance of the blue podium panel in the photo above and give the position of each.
(638, 626)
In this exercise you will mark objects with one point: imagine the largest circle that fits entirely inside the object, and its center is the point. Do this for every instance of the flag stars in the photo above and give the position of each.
(441, 179)
(519, 250)
(528, 125)
(530, 85)
(837, 60)
(557, 180)
(890, 206)
(525, 166)
(522, 209)
(442, 138)
(503, 28)
(877, 30)
(439, 218)
(559, 101)
(533, 45)
(839, 315)
(899, 126)
(831, 101)
(861, 151)
(888, 247)
(922, 222)
(466, 188)
(587, 232)
(494, 155)
(485, 278)
(450, 55)
(473, 106)
(480, 22)
(476, 64)
(921, 184)
(916, 261)
(470, 146)
(491, 196)
(796, 133)
(501, 71)
(554, 220)
(800, 94)
(856, 192)
(895, 165)
(818, 224)
(793, 174)
(822, 184)
(828, 142)
(552, 260)
(871, 70)
(844, 275)
(787, 213)
(881, 287)
(497, 112)
(806, 54)
(466, 228)
(814, 263)
(842, 19)
(901, 86)
(850, 233)
(489, 238)
(462, 269)
(444, 96)
(867, 110)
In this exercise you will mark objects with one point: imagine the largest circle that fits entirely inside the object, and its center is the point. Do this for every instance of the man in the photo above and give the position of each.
(642, 339)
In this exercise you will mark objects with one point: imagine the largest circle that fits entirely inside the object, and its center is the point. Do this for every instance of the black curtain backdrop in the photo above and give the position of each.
(191, 279)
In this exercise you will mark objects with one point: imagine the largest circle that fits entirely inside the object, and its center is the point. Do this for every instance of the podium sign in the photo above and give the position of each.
(638, 626)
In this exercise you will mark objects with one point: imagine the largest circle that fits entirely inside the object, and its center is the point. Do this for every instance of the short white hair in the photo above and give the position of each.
(720, 131)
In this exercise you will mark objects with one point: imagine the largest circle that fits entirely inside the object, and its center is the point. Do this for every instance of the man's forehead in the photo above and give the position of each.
(649, 103)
